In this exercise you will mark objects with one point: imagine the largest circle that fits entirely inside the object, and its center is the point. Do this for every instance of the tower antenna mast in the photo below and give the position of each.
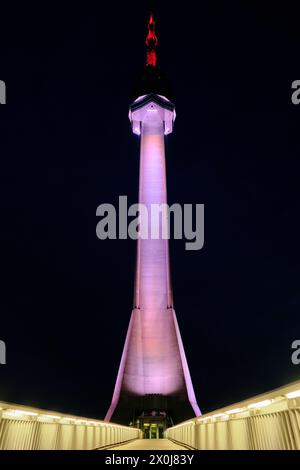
(151, 42)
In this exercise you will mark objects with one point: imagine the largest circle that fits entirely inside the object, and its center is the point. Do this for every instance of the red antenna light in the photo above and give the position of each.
(151, 41)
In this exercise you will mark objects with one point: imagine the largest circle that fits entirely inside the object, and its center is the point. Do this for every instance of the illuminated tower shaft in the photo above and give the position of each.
(153, 362)
(153, 289)
(159, 364)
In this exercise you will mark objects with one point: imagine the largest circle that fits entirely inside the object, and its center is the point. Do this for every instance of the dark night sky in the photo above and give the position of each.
(66, 147)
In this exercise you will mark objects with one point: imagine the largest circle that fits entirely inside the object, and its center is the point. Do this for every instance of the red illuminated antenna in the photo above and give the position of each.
(151, 41)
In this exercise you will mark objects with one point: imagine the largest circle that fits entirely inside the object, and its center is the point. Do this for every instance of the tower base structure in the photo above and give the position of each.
(135, 403)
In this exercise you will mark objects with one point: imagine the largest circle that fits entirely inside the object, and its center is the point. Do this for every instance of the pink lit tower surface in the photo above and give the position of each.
(153, 375)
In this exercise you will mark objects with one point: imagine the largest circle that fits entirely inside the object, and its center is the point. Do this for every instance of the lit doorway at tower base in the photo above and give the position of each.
(153, 424)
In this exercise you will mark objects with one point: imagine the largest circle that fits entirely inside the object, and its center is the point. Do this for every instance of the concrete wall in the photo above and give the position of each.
(24, 428)
(268, 421)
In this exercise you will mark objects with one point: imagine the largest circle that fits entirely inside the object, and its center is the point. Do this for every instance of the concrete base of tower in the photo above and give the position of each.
(153, 408)
(153, 376)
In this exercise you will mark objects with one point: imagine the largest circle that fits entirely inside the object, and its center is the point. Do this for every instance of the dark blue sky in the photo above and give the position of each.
(66, 147)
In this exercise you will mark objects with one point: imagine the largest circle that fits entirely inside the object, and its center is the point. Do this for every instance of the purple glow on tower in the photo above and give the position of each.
(153, 359)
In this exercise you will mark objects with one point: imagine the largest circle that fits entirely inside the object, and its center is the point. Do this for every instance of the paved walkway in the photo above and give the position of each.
(149, 444)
